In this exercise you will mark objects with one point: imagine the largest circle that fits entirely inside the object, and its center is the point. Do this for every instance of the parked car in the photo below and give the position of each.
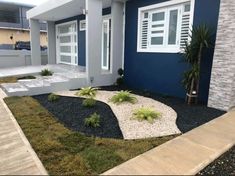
(20, 45)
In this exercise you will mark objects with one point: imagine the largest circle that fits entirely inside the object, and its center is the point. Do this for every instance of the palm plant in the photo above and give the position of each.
(201, 38)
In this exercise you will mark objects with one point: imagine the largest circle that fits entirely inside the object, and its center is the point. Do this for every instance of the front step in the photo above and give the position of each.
(43, 85)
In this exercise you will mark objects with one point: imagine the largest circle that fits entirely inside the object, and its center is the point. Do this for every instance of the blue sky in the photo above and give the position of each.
(30, 2)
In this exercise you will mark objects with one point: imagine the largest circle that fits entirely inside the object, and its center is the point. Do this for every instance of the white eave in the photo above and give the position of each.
(54, 10)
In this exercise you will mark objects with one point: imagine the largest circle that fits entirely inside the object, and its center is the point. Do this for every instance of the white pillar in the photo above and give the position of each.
(35, 42)
(117, 35)
(51, 36)
(93, 40)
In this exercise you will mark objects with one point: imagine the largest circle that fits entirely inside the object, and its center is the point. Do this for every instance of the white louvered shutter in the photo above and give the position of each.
(144, 31)
(185, 28)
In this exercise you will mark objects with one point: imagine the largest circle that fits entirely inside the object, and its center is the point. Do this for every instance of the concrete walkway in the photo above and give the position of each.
(16, 155)
(184, 155)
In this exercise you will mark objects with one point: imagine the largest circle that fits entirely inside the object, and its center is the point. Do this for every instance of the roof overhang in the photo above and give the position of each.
(54, 10)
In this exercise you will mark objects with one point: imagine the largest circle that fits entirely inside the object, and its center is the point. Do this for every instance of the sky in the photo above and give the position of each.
(29, 2)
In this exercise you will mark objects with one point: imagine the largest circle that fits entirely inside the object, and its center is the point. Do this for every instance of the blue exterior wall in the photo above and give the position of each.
(81, 35)
(162, 72)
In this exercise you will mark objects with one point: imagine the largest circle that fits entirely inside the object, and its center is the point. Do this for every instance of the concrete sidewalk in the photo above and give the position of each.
(16, 154)
(187, 154)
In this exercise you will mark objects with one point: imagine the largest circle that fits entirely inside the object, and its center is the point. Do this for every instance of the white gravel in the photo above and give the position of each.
(133, 129)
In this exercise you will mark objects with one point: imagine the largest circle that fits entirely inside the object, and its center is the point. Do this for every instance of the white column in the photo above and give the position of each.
(35, 42)
(117, 35)
(51, 36)
(93, 40)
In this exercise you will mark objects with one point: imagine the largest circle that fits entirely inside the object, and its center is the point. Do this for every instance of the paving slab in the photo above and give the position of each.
(187, 154)
(16, 154)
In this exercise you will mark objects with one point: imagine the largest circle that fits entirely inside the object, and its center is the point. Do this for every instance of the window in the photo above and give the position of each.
(164, 28)
(82, 25)
(9, 16)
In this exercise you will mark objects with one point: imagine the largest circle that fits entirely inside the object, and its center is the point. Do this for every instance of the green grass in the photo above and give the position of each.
(8, 80)
(64, 152)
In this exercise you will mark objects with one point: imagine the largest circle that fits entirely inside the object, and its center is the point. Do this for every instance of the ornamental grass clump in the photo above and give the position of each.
(123, 96)
(93, 121)
(53, 97)
(146, 114)
(89, 103)
(89, 92)
(46, 72)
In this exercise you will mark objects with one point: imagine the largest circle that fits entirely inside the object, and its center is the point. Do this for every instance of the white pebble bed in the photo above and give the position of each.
(134, 129)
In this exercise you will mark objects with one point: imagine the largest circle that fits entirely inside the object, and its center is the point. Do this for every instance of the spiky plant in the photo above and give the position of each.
(146, 114)
(89, 92)
(123, 96)
(200, 39)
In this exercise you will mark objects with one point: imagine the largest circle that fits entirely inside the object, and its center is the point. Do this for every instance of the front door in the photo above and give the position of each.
(67, 47)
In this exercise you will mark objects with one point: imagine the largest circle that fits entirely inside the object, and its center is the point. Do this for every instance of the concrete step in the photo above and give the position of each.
(14, 89)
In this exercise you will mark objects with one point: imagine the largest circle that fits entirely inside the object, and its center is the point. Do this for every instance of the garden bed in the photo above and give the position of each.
(224, 165)
(132, 129)
(188, 116)
(66, 152)
(70, 112)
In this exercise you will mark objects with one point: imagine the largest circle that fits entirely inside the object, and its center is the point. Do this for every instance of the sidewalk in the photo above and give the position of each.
(187, 154)
(16, 155)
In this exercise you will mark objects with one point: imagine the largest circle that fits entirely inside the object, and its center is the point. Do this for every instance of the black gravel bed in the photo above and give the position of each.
(70, 112)
(188, 116)
(224, 165)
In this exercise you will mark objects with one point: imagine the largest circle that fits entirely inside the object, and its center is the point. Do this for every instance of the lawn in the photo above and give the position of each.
(8, 80)
(66, 152)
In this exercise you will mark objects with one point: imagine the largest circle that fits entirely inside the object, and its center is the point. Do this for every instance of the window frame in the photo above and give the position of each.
(165, 6)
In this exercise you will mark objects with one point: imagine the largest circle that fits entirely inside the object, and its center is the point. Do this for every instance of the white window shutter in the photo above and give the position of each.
(185, 29)
(144, 33)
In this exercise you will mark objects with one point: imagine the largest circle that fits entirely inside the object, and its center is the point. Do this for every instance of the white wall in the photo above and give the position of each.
(16, 58)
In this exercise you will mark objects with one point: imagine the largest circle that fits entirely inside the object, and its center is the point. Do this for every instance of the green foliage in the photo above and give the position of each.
(53, 97)
(120, 72)
(46, 72)
(120, 80)
(123, 96)
(89, 102)
(200, 39)
(93, 121)
(89, 92)
(146, 114)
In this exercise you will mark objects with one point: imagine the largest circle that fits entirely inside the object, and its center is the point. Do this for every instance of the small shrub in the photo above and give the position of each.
(93, 121)
(89, 102)
(120, 80)
(123, 96)
(52, 97)
(120, 72)
(146, 114)
(46, 72)
(87, 92)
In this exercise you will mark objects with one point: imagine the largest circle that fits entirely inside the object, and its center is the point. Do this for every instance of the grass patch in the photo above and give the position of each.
(123, 96)
(8, 80)
(64, 152)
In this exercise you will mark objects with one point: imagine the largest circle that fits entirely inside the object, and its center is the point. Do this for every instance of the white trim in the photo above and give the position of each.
(74, 57)
(80, 25)
(106, 19)
(171, 4)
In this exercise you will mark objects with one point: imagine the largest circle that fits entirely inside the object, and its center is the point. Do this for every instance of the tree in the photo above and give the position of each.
(201, 38)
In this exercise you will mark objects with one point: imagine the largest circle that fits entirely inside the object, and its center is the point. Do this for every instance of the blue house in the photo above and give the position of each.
(145, 37)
